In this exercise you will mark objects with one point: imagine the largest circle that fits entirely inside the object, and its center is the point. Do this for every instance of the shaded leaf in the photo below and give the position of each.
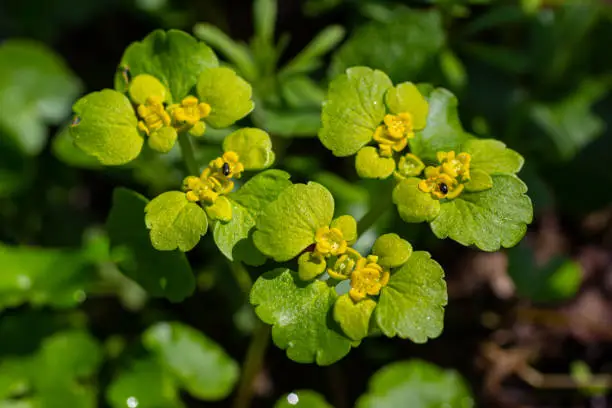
(253, 146)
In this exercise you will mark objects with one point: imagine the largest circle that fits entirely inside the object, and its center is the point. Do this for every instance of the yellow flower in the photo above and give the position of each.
(439, 184)
(455, 165)
(198, 189)
(330, 241)
(394, 134)
(368, 278)
(227, 166)
(190, 111)
(153, 115)
(344, 265)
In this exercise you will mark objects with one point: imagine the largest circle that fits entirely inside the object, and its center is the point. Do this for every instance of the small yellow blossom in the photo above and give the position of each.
(455, 165)
(190, 111)
(344, 265)
(440, 184)
(197, 189)
(368, 278)
(153, 115)
(394, 134)
(330, 241)
(228, 165)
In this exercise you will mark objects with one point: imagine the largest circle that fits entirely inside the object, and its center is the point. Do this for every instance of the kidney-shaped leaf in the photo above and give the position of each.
(253, 146)
(493, 157)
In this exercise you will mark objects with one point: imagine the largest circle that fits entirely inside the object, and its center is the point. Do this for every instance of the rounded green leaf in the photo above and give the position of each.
(369, 164)
(253, 146)
(443, 131)
(299, 315)
(163, 140)
(288, 225)
(405, 97)
(412, 304)
(479, 181)
(348, 226)
(354, 318)
(493, 157)
(392, 251)
(489, 219)
(310, 266)
(198, 364)
(221, 210)
(106, 127)
(161, 274)
(174, 57)
(175, 222)
(228, 95)
(145, 86)
(234, 238)
(416, 383)
(414, 205)
(146, 384)
(302, 399)
(354, 107)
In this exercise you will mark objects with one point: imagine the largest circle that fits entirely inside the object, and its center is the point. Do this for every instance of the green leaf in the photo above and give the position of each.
(300, 318)
(161, 274)
(144, 384)
(174, 57)
(288, 225)
(353, 109)
(199, 364)
(309, 57)
(264, 18)
(221, 210)
(145, 86)
(412, 304)
(558, 279)
(354, 318)
(443, 131)
(492, 156)
(405, 97)
(175, 222)
(302, 399)
(163, 140)
(348, 226)
(253, 146)
(234, 237)
(488, 219)
(479, 181)
(402, 47)
(416, 383)
(392, 251)
(228, 95)
(106, 127)
(370, 164)
(36, 89)
(310, 266)
(288, 123)
(414, 205)
(64, 149)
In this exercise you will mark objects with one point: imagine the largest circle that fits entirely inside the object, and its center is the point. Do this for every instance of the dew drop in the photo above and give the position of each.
(132, 402)
(293, 398)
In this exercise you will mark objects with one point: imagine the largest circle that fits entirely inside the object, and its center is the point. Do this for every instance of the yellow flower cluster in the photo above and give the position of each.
(215, 180)
(447, 180)
(394, 134)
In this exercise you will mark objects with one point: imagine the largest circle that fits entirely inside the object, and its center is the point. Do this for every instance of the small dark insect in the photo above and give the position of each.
(443, 188)
(226, 169)
(125, 72)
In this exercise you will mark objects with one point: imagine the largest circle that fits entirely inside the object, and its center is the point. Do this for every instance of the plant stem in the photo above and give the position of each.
(242, 277)
(380, 207)
(188, 156)
(252, 365)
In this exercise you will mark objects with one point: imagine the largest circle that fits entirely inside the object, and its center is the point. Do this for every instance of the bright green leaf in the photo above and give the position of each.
(199, 364)
(412, 304)
(353, 109)
(161, 274)
(253, 146)
(145, 86)
(288, 225)
(488, 219)
(300, 317)
(479, 181)
(414, 205)
(354, 318)
(416, 383)
(228, 95)
(370, 164)
(310, 266)
(405, 97)
(106, 127)
(175, 222)
(163, 140)
(174, 57)
(348, 226)
(392, 251)
(302, 399)
(65, 150)
(492, 156)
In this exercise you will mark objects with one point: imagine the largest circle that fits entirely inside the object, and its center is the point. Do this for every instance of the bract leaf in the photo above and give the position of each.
(354, 107)
(198, 364)
(253, 146)
(354, 318)
(106, 127)
(348, 226)
(234, 238)
(369, 163)
(302, 399)
(392, 251)
(488, 219)
(405, 97)
(310, 266)
(175, 222)
(161, 274)
(479, 181)
(443, 131)
(288, 225)
(144, 86)
(228, 95)
(300, 317)
(163, 140)
(412, 304)
(174, 57)
(414, 205)
(221, 210)
(416, 383)
(492, 156)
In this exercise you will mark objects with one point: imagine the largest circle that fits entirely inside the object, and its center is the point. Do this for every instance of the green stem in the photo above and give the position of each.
(380, 207)
(252, 365)
(188, 155)
(242, 277)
